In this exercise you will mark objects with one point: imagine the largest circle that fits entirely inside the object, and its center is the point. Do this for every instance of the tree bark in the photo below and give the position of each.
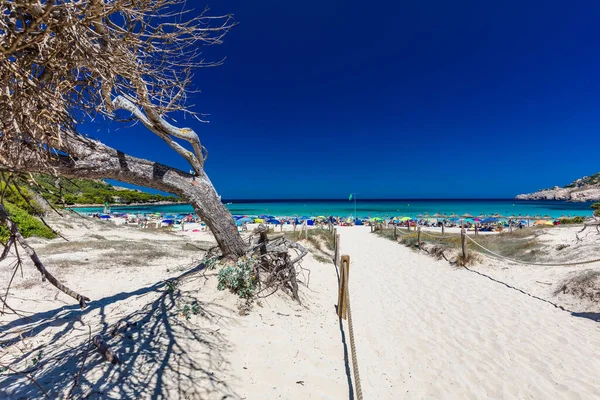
(92, 159)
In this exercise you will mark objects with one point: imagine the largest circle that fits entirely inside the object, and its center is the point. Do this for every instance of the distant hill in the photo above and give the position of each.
(94, 191)
(582, 189)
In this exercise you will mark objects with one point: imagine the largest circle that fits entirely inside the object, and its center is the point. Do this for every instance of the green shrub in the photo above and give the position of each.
(596, 208)
(239, 278)
(574, 220)
(15, 197)
(28, 224)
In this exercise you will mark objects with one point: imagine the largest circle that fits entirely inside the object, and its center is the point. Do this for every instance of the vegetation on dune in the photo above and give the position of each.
(586, 180)
(585, 285)
(87, 191)
(596, 208)
(28, 224)
(520, 244)
(574, 220)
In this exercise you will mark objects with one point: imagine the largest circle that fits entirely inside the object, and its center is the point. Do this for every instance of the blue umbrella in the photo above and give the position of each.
(489, 220)
(104, 216)
(358, 222)
(273, 221)
(245, 219)
(310, 222)
(167, 221)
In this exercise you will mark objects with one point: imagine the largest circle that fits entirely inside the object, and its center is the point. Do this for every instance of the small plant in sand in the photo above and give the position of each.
(171, 285)
(211, 262)
(239, 278)
(189, 309)
(470, 258)
(36, 360)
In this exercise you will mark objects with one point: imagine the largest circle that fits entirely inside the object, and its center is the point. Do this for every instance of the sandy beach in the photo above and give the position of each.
(428, 330)
(423, 328)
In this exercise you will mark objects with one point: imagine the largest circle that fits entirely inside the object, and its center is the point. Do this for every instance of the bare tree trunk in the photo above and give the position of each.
(93, 159)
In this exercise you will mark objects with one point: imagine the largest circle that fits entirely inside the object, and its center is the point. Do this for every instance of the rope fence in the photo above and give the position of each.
(500, 256)
(345, 311)
(486, 251)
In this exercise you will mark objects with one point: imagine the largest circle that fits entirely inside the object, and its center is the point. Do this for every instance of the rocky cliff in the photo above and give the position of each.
(582, 189)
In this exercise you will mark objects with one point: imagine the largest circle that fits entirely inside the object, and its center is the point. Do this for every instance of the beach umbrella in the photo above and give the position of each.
(453, 216)
(437, 215)
(511, 217)
(104, 216)
(376, 219)
(547, 216)
(245, 219)
(489, 220)
(321, 217)
(466, 215)
(259, 220)
(404, 219)
(420, 216)
(273, 221)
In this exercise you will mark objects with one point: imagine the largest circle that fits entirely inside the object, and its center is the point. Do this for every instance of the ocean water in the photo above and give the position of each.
(372, 208)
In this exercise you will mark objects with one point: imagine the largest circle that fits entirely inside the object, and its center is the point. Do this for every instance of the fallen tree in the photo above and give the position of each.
(63, 63)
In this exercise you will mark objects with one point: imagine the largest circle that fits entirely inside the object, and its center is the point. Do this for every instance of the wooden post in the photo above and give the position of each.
(371, 228)
(337, 250)
(419, 237)
(442, 229)
(463, 241)
(344, 275)
(395, 234)
(475, 227)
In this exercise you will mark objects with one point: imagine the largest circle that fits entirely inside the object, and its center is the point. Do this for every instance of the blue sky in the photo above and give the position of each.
(394, 99)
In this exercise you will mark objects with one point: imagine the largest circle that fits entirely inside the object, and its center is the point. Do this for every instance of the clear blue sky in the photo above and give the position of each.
(395, 99)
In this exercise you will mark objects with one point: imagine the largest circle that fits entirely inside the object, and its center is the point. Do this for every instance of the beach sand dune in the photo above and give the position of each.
(281, 349)
(427, 330)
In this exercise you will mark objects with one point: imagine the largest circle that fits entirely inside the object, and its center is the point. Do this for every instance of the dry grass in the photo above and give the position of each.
(322, 259)
(521, 244)
(585, 285)
(26, 284)
(471, 258)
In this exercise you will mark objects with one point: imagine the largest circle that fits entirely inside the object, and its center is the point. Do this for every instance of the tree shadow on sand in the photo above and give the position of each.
(163, 354)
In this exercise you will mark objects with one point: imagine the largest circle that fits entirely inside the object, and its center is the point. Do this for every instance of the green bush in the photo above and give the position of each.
(16, 197)
(574, 220)
(596, 208)
(239, 278)
(28, 224)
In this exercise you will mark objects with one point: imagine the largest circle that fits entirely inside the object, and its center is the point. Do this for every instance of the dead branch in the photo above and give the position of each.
(276, 269)
(109, 354)
(28, 377)
(18, 238)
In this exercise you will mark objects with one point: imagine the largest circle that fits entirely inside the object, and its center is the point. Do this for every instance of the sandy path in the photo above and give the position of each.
(427, 330)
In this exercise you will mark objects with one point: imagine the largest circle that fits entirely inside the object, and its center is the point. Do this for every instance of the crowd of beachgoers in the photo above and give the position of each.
(191, 222)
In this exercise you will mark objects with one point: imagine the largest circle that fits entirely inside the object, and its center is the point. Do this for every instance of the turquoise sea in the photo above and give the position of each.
(372, 208)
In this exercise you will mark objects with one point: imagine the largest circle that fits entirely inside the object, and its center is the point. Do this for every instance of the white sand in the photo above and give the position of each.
(424, 329)
(280, 350)
(427, 330)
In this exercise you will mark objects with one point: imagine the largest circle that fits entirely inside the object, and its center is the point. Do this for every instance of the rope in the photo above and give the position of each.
(358, 388)
(532, 263)
(404, 233)
(440, 237)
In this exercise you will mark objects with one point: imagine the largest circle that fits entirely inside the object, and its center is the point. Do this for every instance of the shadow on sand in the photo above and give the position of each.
(163, 355)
